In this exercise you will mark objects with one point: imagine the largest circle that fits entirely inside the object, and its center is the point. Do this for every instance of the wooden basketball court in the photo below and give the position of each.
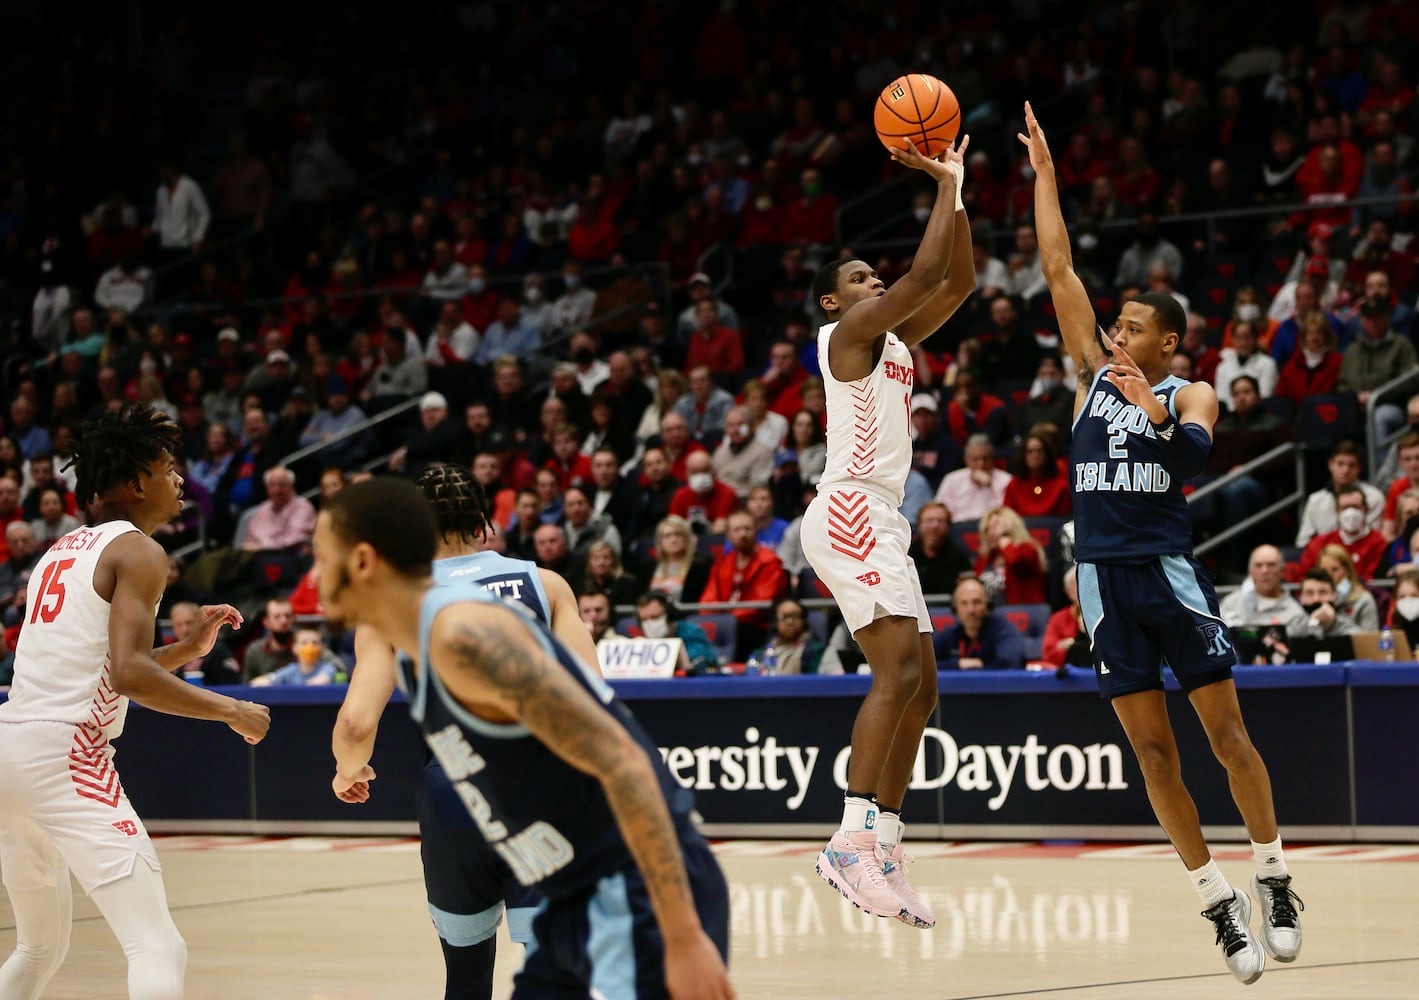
(344, 919)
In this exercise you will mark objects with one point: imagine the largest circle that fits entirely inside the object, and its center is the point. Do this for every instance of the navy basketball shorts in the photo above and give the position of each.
(604, 941)
(464, 879)
(1144, 615)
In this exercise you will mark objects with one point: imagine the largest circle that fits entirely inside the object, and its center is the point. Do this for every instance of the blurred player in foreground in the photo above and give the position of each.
(559, 779)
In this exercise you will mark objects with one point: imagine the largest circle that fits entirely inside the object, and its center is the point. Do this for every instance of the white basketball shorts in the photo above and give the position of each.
(62, 806)
(857, 544)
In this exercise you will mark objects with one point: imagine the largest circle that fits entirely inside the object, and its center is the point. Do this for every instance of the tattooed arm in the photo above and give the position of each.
(489, 661)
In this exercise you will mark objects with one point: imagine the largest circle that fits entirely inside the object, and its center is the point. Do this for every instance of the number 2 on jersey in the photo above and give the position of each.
(51, 592)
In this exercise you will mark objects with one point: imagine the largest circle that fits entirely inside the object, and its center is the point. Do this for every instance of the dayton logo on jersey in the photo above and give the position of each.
(1124, 421)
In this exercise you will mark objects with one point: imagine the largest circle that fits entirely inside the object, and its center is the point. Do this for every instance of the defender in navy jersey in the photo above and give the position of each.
(1139, 434)
(466, 884)
(561, 783)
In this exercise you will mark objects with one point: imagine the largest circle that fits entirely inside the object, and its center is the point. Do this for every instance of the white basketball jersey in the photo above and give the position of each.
(869, 422)
(61, 660)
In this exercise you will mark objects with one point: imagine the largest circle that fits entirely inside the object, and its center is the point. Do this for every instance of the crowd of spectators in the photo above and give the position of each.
(585, 278)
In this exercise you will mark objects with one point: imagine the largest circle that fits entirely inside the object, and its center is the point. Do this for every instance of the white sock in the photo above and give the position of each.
(1270, 862)
(889, 829)
(859, 814)
(1211, 885)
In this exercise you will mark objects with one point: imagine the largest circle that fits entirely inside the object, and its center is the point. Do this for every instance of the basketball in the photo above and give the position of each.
(920, 108)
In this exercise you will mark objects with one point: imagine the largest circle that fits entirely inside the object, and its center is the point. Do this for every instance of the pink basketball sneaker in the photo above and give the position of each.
(850, 865)
(914, 912)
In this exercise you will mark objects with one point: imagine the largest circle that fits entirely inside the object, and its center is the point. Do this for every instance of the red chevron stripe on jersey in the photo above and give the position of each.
(864, 431)
(106, 701)
(849, 530)
(90, 769)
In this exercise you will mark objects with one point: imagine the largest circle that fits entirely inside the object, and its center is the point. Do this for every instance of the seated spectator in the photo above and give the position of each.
(740, 462)
(768, 427)
(605, 575)
(1194, 344)
(21, 554)
(1248, 306)
(219, 666)
(611, 493)
(338, 417)
(790, 646)
(276, 648)
(1354, 599)
(1244, 434)
(312, 667)
(1066, 641)
(1314, 369)
(1404, 612)
(671, 388)
(1288, 333)
(570, 466)
(283, 522)
(706, 406)
(939, 559)
(1262, 602)
(550, 545)
(53, 522)
(583, 528)
(1318, 599)
(1245, 358)
(678, 570)
(42, 477)
(657, 617)
(1379, 288)
(1050, 401)
(809, 446)
(1039, 487)
(594, 609)
(453, 342)
(1365, 545)
(1008, 352)
(433, 441)
(968, 493)
(399, 376)
(746, 572)
(605, 431)
(717, 347)
(525, 521)
(30, 436)
(934, 450)
(760, 503)
(1400, 553)
(704, 501)
(508, 334)
(212, 466)
(981, 639)
(1319, 514)
(1011, 564)
(1372, 359)
(1407, 449)
(973, 412)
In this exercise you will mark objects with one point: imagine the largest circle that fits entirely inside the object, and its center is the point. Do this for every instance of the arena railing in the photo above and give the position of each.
(1296, 497)
(1385, 393)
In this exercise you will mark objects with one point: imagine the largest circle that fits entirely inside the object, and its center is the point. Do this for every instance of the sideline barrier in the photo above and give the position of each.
(1007, 755)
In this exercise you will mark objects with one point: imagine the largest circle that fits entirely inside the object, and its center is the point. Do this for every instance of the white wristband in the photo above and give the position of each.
(958, 171)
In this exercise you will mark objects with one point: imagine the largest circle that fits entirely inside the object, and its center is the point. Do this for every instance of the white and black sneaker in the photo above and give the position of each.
(1239, 945)
(1280, 923)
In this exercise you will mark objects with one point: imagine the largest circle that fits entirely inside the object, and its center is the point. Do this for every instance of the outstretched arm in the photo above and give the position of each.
(138, 568)
(959, 284)
(352, 741)
(1077, 324)
(488, 659)
(869, 319)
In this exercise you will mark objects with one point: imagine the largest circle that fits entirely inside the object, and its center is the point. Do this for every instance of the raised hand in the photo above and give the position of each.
(1035, 142)
(211, 619)
(951, 162)
(1129, 379)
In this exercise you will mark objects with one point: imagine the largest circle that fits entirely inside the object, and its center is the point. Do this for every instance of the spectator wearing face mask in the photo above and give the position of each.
(1364, 545)
(654, 620)
(1319, 601)
(1404, 613)
(312, 666)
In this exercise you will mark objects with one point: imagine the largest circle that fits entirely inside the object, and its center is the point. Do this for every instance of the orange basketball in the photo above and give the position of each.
(919, 108)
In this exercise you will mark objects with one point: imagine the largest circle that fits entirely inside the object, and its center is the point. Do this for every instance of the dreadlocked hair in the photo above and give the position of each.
(119, 447)
(459, 503)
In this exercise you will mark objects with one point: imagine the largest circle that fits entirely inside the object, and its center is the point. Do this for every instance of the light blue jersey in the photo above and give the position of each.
(514, 580)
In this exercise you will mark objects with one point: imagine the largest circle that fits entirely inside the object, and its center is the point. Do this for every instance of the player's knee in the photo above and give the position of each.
(1233, 747)
(926, 699)
(901, 683)
(1157, 759)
